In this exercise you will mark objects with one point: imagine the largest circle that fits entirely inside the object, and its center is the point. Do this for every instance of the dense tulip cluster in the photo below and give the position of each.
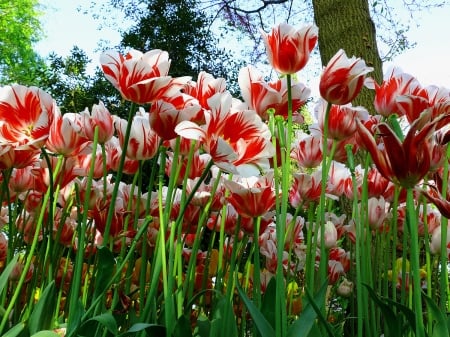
(206, 212)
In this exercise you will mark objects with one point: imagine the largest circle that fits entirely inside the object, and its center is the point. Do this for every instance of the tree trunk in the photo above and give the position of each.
(346, 24)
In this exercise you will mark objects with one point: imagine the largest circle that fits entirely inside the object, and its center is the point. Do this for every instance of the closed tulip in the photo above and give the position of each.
(288, 48)
(99, 117)
(343, 78)
(144, 141)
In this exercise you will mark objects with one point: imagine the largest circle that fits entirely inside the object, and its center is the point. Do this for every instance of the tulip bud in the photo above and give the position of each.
(345, 288)
(330, 235)
(377, 212)
(436, 237)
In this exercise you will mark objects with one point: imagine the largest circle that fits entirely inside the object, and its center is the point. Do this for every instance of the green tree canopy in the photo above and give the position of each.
(20, 29)
(182, 29)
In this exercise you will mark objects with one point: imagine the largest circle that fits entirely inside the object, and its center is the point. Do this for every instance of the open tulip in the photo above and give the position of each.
(262, 96)
(395, 83)
(65, 137)
(167, 113)
(288, 48)
(252, 197)
(237, 140)
(26, 114)
(404, 163)
(205, 87)
(343, 78)
(140, 78)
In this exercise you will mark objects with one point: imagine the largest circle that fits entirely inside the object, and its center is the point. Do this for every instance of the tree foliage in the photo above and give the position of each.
(176, 26)
(183, 30)
(20, 29)
(68, 80)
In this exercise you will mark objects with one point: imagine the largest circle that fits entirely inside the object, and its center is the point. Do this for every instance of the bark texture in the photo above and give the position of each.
(346, 24)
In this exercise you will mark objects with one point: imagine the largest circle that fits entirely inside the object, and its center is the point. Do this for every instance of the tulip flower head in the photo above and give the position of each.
(140, 78)
(144, 141)
(288, 48)
(252, 197)
(99, 117)
(395, 84)
(26, 114)
(404, 163)
(343, 78)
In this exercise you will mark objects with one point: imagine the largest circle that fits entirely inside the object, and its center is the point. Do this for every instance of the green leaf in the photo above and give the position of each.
(268, 302)
(224, 322)
(441, 326)
(106, 319)
(41, 317)
(393, 324)
(15, 330)
(183, 327)
(315, 331)
(319, 311)
(264, 327)
(105, 269)
(74, 324)
(6, 272)
(203, 328)
(45, 333)
(303, 325)
(407, 312)
(144, 326)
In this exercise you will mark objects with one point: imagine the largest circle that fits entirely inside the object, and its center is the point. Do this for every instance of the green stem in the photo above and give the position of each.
(280, 308)
(30, 255)
(444, 282)
(358, 254)
(415, 263)
(320, 222)
(73, 318)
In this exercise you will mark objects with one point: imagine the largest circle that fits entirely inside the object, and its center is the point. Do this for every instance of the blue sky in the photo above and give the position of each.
(429, 61)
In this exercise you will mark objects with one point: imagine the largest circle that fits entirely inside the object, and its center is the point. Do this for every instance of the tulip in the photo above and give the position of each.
(99, 117)
(305, 188)
(395, 83)
(342, 119)
(343, 78)
(252, 198)
(376, 212)
(307, 152)
(330, 236)
(167, 113)
(257, 93)
(26, 114)
(345, 288)
(65, 137)
(404, 163)
(237, 139)
(436, 237)
(140, 78)
(288, 48)
(144, 141)
(3, 248)
(113, 154)
(442, 204)
(205, 87)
